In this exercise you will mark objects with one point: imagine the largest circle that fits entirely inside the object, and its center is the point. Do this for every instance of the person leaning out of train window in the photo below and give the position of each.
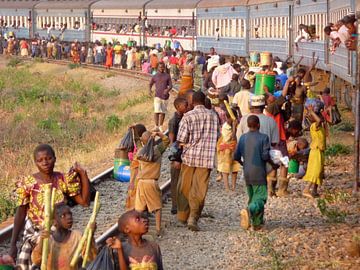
(30, 199)
(334, 37)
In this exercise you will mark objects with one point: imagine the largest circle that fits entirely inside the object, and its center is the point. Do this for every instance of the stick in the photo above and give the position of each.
(91, 232)
(229, 110)
(86, 234)
(47, 219)
(52, 203)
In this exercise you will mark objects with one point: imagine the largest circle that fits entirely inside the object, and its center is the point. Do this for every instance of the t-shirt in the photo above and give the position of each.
(162, 82)
(241, 99)
(174, 124)
(253, 149)
(267, 126)
(146, 257)
(343, 34)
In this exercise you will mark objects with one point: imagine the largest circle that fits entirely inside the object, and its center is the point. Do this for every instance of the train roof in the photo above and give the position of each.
(225, 3)
(64, 4)
(119, 4)
(168, 4)
(259, 2)
(19, 4)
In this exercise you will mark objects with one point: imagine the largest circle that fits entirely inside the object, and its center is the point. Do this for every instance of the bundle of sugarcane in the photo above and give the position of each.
(228, 108)
(49, 202)
(87, 236)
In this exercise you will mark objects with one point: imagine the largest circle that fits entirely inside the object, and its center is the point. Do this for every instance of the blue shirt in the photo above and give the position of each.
(253, 149)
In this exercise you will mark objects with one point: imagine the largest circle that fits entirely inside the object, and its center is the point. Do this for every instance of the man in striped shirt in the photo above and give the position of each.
(198, 134)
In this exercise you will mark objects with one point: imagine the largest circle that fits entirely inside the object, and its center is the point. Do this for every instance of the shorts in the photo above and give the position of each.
(160, 105)
(148, 194)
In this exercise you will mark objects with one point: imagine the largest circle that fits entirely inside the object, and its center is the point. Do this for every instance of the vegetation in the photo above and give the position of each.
(74, 113)
(338, 149)
(328, 206)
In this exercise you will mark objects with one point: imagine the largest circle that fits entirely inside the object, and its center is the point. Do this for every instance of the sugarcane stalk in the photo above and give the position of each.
(53, 203)
(47, 219)
(87, 236)
(229, 110)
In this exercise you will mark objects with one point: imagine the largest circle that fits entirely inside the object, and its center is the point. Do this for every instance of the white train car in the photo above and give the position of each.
(114, 20)
(171, 23)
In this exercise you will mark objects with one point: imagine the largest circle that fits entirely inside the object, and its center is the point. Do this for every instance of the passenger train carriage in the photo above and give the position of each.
(230, 26)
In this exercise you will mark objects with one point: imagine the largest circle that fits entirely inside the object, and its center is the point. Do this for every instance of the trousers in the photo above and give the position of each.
(191, 192)
(257, 199)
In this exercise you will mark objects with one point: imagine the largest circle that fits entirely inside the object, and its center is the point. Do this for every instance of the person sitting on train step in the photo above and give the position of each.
(136, 252)
(163, 86)
(222, 75)
(62, 242)
(148, 193)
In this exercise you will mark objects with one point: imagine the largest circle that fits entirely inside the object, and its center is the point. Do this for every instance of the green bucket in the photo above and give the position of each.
(120, 162)
(293, 166)
(261, 81)
(6, 267)
(130, 43)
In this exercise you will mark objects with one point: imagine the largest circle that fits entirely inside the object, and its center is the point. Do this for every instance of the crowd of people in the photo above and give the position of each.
(225, 125)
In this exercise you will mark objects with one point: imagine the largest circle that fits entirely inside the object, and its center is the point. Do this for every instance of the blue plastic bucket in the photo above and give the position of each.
(119, 162)
(123, 173)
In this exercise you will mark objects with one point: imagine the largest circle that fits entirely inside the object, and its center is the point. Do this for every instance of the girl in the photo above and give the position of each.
(30, 194)
(315, 170)
(62, 242)
(109, 56)
(225, 150)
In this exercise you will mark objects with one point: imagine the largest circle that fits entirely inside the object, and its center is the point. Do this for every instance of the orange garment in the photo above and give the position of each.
(60, 254)
(154, 61)
(279, 119)
(109, 57)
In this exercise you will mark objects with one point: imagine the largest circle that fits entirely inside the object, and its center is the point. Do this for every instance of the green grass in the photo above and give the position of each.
(338, 149)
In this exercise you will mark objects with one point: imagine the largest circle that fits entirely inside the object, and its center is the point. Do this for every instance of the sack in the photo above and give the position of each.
(286, 110)
(175, 152)
(306, 124)
(103, 261)
(147, 152)
(335, 115)
(127, 142)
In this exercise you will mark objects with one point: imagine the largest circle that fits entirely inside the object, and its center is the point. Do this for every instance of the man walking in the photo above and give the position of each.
(198, 133)
(163, 85)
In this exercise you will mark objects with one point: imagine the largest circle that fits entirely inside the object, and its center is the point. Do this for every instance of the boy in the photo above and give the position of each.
(148, 194)
(181, 106)
(252, 153)
(136, 252)
(62, 242)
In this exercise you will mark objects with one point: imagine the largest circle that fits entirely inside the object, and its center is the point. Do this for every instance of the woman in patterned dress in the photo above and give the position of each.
(30, 199)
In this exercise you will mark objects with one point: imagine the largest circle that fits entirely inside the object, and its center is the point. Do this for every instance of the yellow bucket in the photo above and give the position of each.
(265, 59)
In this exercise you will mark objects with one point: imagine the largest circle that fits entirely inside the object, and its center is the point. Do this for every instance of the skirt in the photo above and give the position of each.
(186, 84)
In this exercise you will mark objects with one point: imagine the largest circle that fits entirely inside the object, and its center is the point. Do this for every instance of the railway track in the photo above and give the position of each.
(112, 197)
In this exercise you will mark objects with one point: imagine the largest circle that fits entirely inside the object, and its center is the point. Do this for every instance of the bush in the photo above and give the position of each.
(113, 123)
(345, 126)
(7, 208)
(73, 65)
(338, 149)
(14, 62)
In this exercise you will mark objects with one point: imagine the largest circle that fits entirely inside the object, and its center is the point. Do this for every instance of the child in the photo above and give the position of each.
(136, 253)
(138, 129)
(181, 106)
(304, 35)
(225, 149)
(148, 194)
(315, 170)
(334, 37)
(62, 242)
(253, 152)
(233, 87)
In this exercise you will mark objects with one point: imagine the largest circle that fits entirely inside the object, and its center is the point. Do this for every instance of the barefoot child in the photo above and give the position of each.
(62, 242)
(253, 153)
(225, 150)
(181, 106)
(148, 194)
(136, 252)
(315, 169)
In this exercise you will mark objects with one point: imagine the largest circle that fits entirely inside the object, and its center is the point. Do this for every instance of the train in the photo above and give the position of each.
(232, 27)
